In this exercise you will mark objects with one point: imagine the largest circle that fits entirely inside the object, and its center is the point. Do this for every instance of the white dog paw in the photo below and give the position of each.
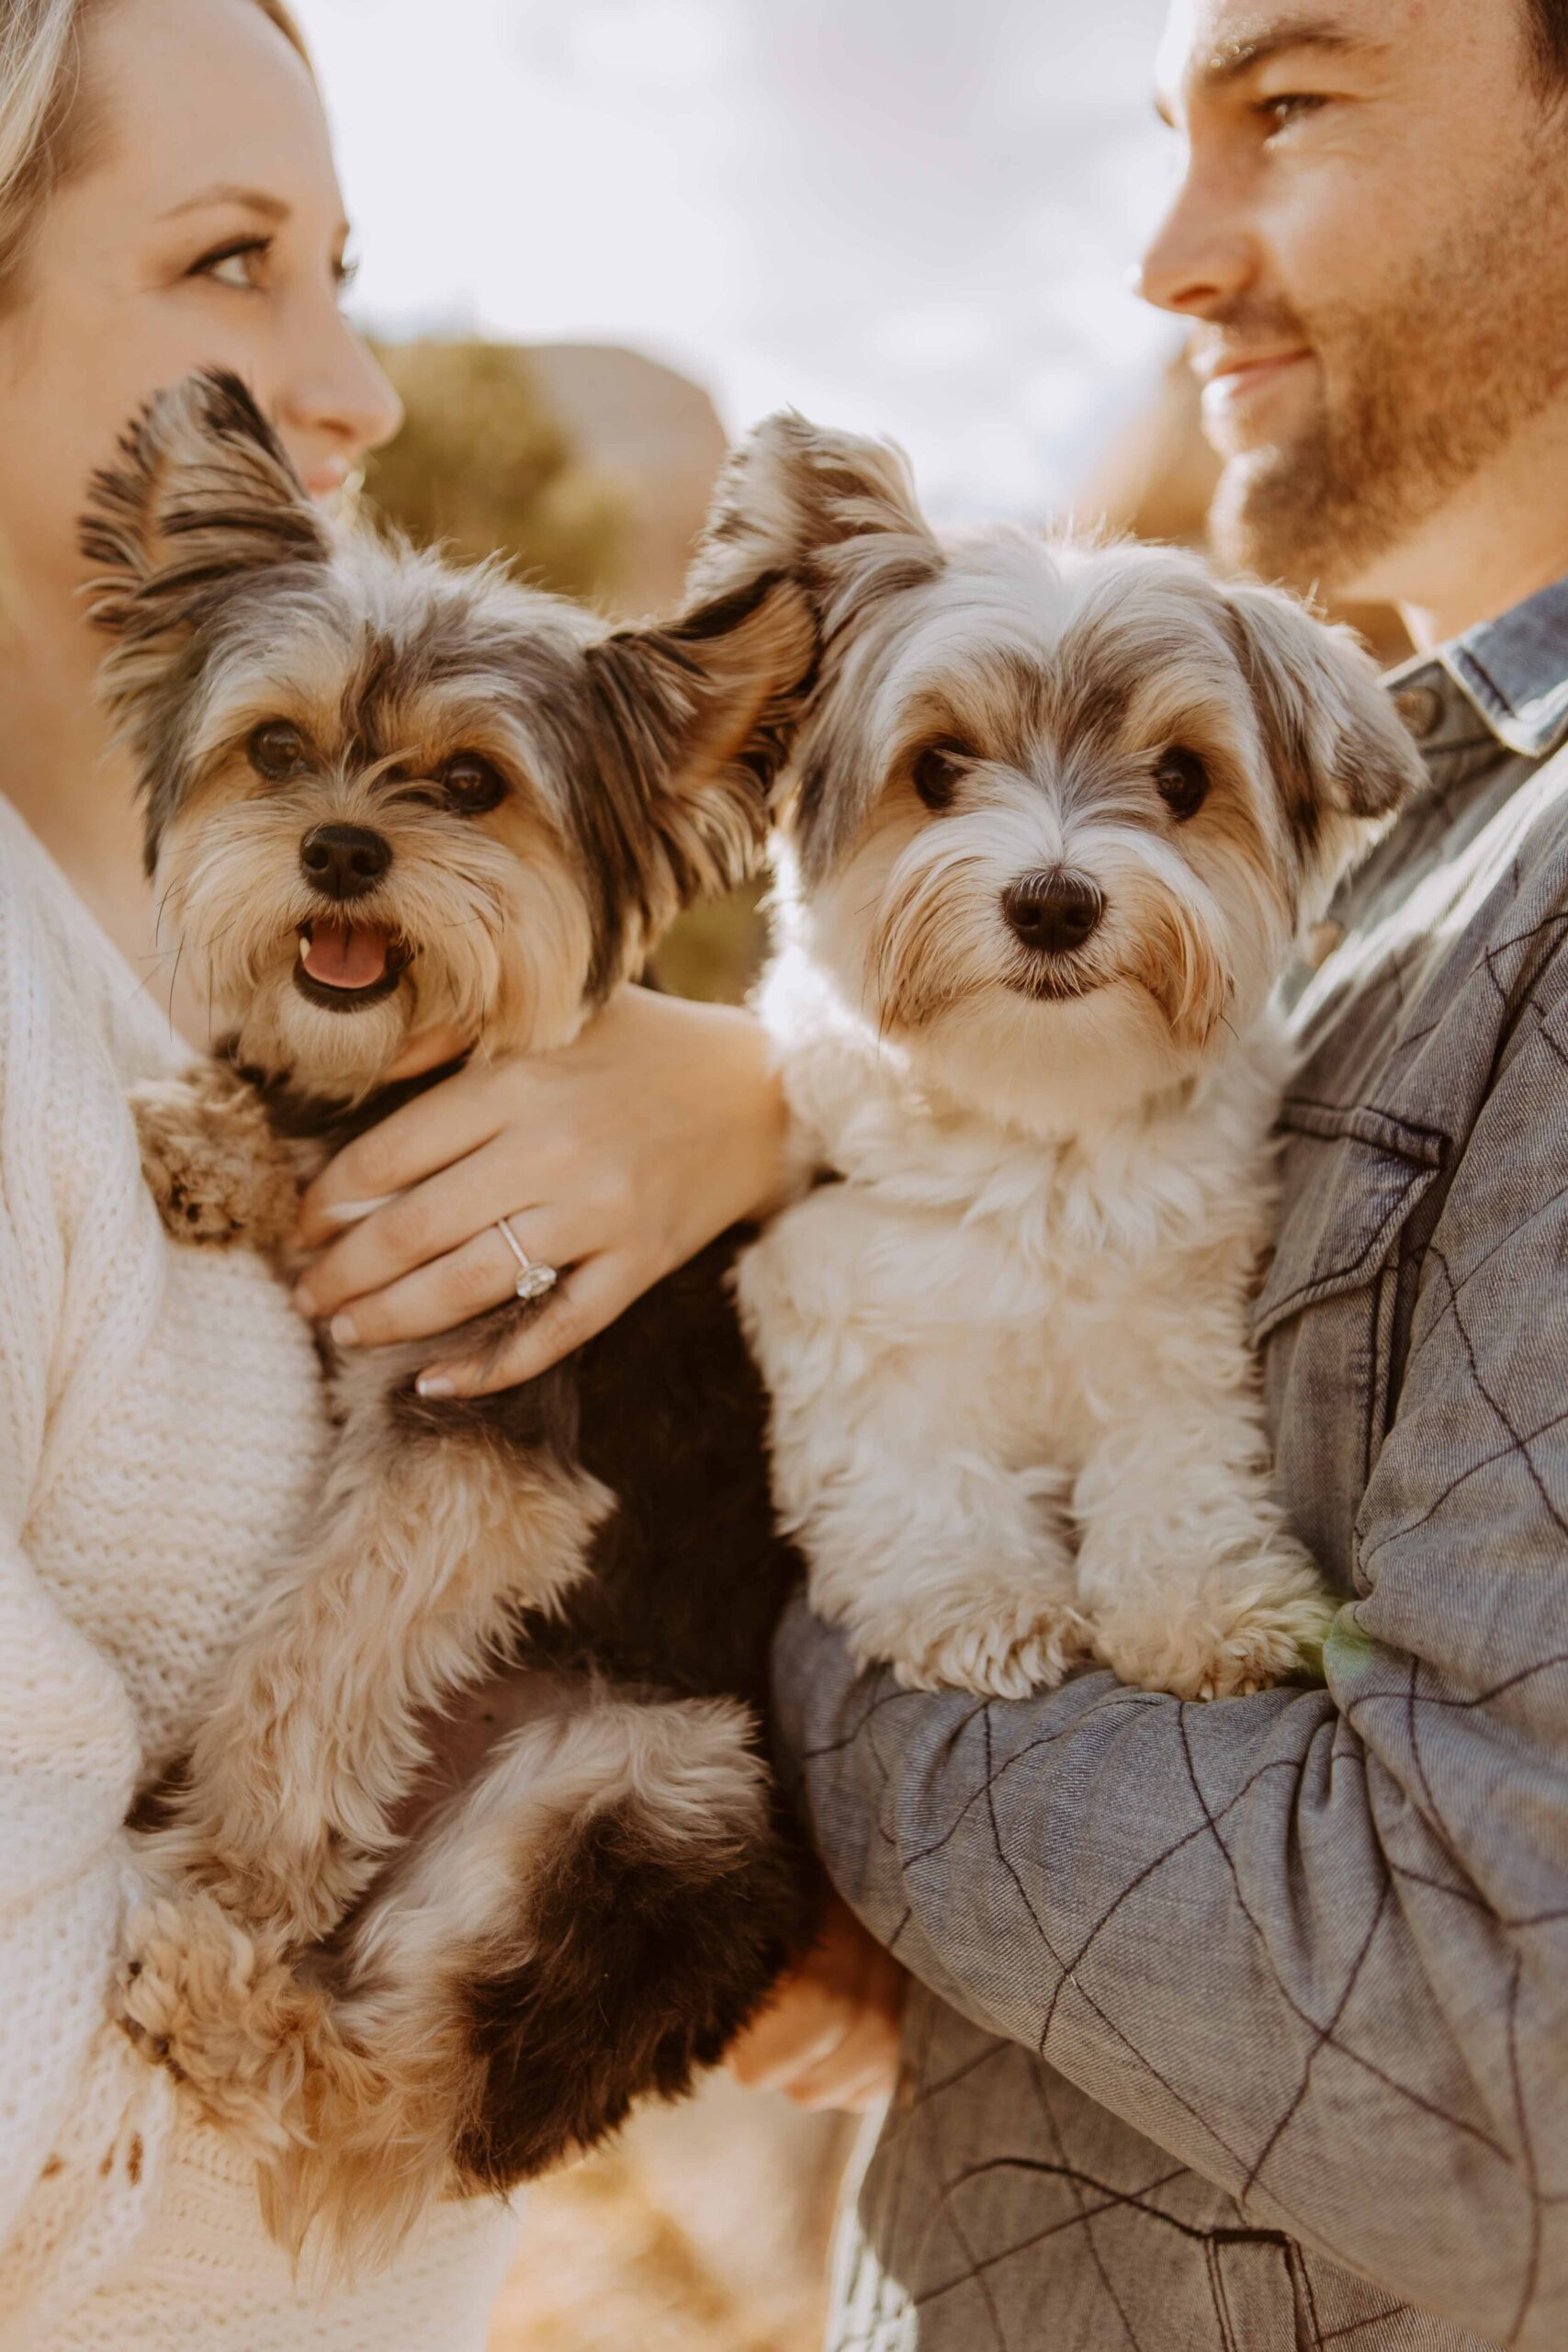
(1006, 1652)
(1227, 1655)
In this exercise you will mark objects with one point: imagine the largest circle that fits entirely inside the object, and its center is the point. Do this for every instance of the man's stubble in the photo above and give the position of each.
(1420, 392)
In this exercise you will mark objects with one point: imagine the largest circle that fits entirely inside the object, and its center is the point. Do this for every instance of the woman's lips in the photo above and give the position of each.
(329, 478)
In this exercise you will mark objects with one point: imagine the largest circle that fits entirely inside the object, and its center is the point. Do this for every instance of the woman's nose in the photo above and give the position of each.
(339, 392)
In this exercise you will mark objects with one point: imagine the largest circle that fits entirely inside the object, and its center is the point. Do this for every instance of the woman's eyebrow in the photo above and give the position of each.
(252, 200)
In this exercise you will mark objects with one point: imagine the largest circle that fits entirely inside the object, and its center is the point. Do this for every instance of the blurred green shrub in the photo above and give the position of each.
(483, 465)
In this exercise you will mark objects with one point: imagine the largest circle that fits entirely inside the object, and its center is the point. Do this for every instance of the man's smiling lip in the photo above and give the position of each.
(1229, 377)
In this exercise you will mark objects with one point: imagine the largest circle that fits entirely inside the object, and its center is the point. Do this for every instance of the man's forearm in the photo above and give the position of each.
(1230, 1926)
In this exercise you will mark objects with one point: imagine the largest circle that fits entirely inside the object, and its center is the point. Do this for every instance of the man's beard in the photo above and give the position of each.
(1417, 395)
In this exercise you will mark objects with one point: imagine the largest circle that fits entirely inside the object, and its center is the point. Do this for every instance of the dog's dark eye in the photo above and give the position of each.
(937, 773)
(277, 751)
(1183, 781)
(471, 785)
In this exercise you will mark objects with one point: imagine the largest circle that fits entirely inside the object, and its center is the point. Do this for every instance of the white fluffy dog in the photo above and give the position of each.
(1056, 816)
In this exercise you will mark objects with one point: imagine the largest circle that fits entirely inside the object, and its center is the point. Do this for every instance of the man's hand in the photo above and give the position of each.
(830, 2036)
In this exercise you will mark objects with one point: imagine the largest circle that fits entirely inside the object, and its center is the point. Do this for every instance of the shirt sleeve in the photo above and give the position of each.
(1315, 1943)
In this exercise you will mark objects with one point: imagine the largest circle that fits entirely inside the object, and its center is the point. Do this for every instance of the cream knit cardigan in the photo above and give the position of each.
(160, 1428)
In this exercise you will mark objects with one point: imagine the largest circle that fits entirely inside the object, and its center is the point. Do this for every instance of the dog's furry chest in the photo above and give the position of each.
(1011, 1308)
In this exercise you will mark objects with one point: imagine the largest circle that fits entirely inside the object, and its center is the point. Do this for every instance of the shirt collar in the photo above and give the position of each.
(1513, 670)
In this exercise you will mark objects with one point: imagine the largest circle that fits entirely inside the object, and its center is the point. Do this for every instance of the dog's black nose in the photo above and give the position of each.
(1052, 913)
(343, 861)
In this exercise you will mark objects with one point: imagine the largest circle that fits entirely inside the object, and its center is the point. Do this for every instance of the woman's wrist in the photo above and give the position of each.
(746, 1079)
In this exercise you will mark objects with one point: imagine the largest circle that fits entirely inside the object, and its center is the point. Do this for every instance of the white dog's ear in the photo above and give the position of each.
(1336, 743)
(830, 508)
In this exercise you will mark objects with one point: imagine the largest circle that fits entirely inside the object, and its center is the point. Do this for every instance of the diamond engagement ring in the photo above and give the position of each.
(533, 1281)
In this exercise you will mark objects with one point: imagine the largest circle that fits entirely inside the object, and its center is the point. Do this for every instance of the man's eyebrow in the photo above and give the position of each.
(249, 199)
(1231, 61)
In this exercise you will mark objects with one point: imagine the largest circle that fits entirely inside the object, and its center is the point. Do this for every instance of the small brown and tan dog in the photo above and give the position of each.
(382, 793)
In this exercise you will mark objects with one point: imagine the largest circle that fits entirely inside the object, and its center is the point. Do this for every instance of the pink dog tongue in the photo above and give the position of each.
(346, 954)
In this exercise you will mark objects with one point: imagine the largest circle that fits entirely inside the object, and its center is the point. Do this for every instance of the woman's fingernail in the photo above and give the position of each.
(342, 1327)
(436, 1383)
(304, 1301)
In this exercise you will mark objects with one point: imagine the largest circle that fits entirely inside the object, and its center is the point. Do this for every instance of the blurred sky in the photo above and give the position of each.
(911, 216)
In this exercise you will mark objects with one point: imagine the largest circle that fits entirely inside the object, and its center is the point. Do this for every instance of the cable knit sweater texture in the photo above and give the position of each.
(161, 1427)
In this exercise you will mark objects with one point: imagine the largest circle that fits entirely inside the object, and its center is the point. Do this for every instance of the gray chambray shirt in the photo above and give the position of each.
(1244, 2027)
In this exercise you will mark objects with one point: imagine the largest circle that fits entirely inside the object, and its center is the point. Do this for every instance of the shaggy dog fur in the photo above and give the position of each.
(1056, 816)
(380, 795)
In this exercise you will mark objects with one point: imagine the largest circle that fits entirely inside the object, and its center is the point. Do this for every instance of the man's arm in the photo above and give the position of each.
(1315, 1943)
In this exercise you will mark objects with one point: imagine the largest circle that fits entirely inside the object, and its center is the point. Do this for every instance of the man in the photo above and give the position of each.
(1247, 2025)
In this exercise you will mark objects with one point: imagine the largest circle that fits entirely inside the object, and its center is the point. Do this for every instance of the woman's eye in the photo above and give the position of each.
(938, 772)
(471, 785)
(238, 265)
(277, 751)
(1183, 781)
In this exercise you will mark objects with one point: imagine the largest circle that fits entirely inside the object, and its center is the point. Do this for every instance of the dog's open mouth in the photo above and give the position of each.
(346, 964)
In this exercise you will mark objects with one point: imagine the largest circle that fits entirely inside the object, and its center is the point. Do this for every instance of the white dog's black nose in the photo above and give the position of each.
(343, 861)
(1052, 913)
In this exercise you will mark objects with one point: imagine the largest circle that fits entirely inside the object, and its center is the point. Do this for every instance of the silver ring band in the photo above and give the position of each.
(532, 1281)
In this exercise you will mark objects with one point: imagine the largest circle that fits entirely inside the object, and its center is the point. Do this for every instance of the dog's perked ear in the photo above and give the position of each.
(692, 722)
(203, 496)
(836, 510)
(1335, 741)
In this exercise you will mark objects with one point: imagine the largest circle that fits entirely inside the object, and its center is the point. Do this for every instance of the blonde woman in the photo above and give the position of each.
(168, 197)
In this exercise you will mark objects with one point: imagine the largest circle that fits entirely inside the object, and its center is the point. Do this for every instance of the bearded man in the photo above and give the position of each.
(1246, 2026)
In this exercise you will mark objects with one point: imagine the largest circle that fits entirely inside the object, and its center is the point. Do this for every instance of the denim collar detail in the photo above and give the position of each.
(1515, 671)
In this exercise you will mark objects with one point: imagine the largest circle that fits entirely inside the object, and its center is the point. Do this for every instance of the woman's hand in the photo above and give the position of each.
(613, 1160)
(830, 2036)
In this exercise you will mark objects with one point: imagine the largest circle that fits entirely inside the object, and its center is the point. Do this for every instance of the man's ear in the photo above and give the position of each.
(836, 511)
(1336, 744)
(693, 721)
(203, 497)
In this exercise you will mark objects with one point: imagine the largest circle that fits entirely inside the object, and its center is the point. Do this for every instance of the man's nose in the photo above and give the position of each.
(1202, 255)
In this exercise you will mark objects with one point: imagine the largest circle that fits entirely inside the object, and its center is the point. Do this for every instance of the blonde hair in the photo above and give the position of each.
(43, 136)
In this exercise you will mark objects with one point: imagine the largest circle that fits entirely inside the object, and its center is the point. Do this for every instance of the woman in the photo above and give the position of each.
(167, 198)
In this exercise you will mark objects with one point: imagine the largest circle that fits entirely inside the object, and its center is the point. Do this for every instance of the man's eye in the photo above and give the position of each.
(471, 785)
(277, 751)
(1278, 114)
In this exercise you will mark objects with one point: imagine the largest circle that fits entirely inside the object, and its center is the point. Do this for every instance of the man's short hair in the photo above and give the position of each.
(1549, 38)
